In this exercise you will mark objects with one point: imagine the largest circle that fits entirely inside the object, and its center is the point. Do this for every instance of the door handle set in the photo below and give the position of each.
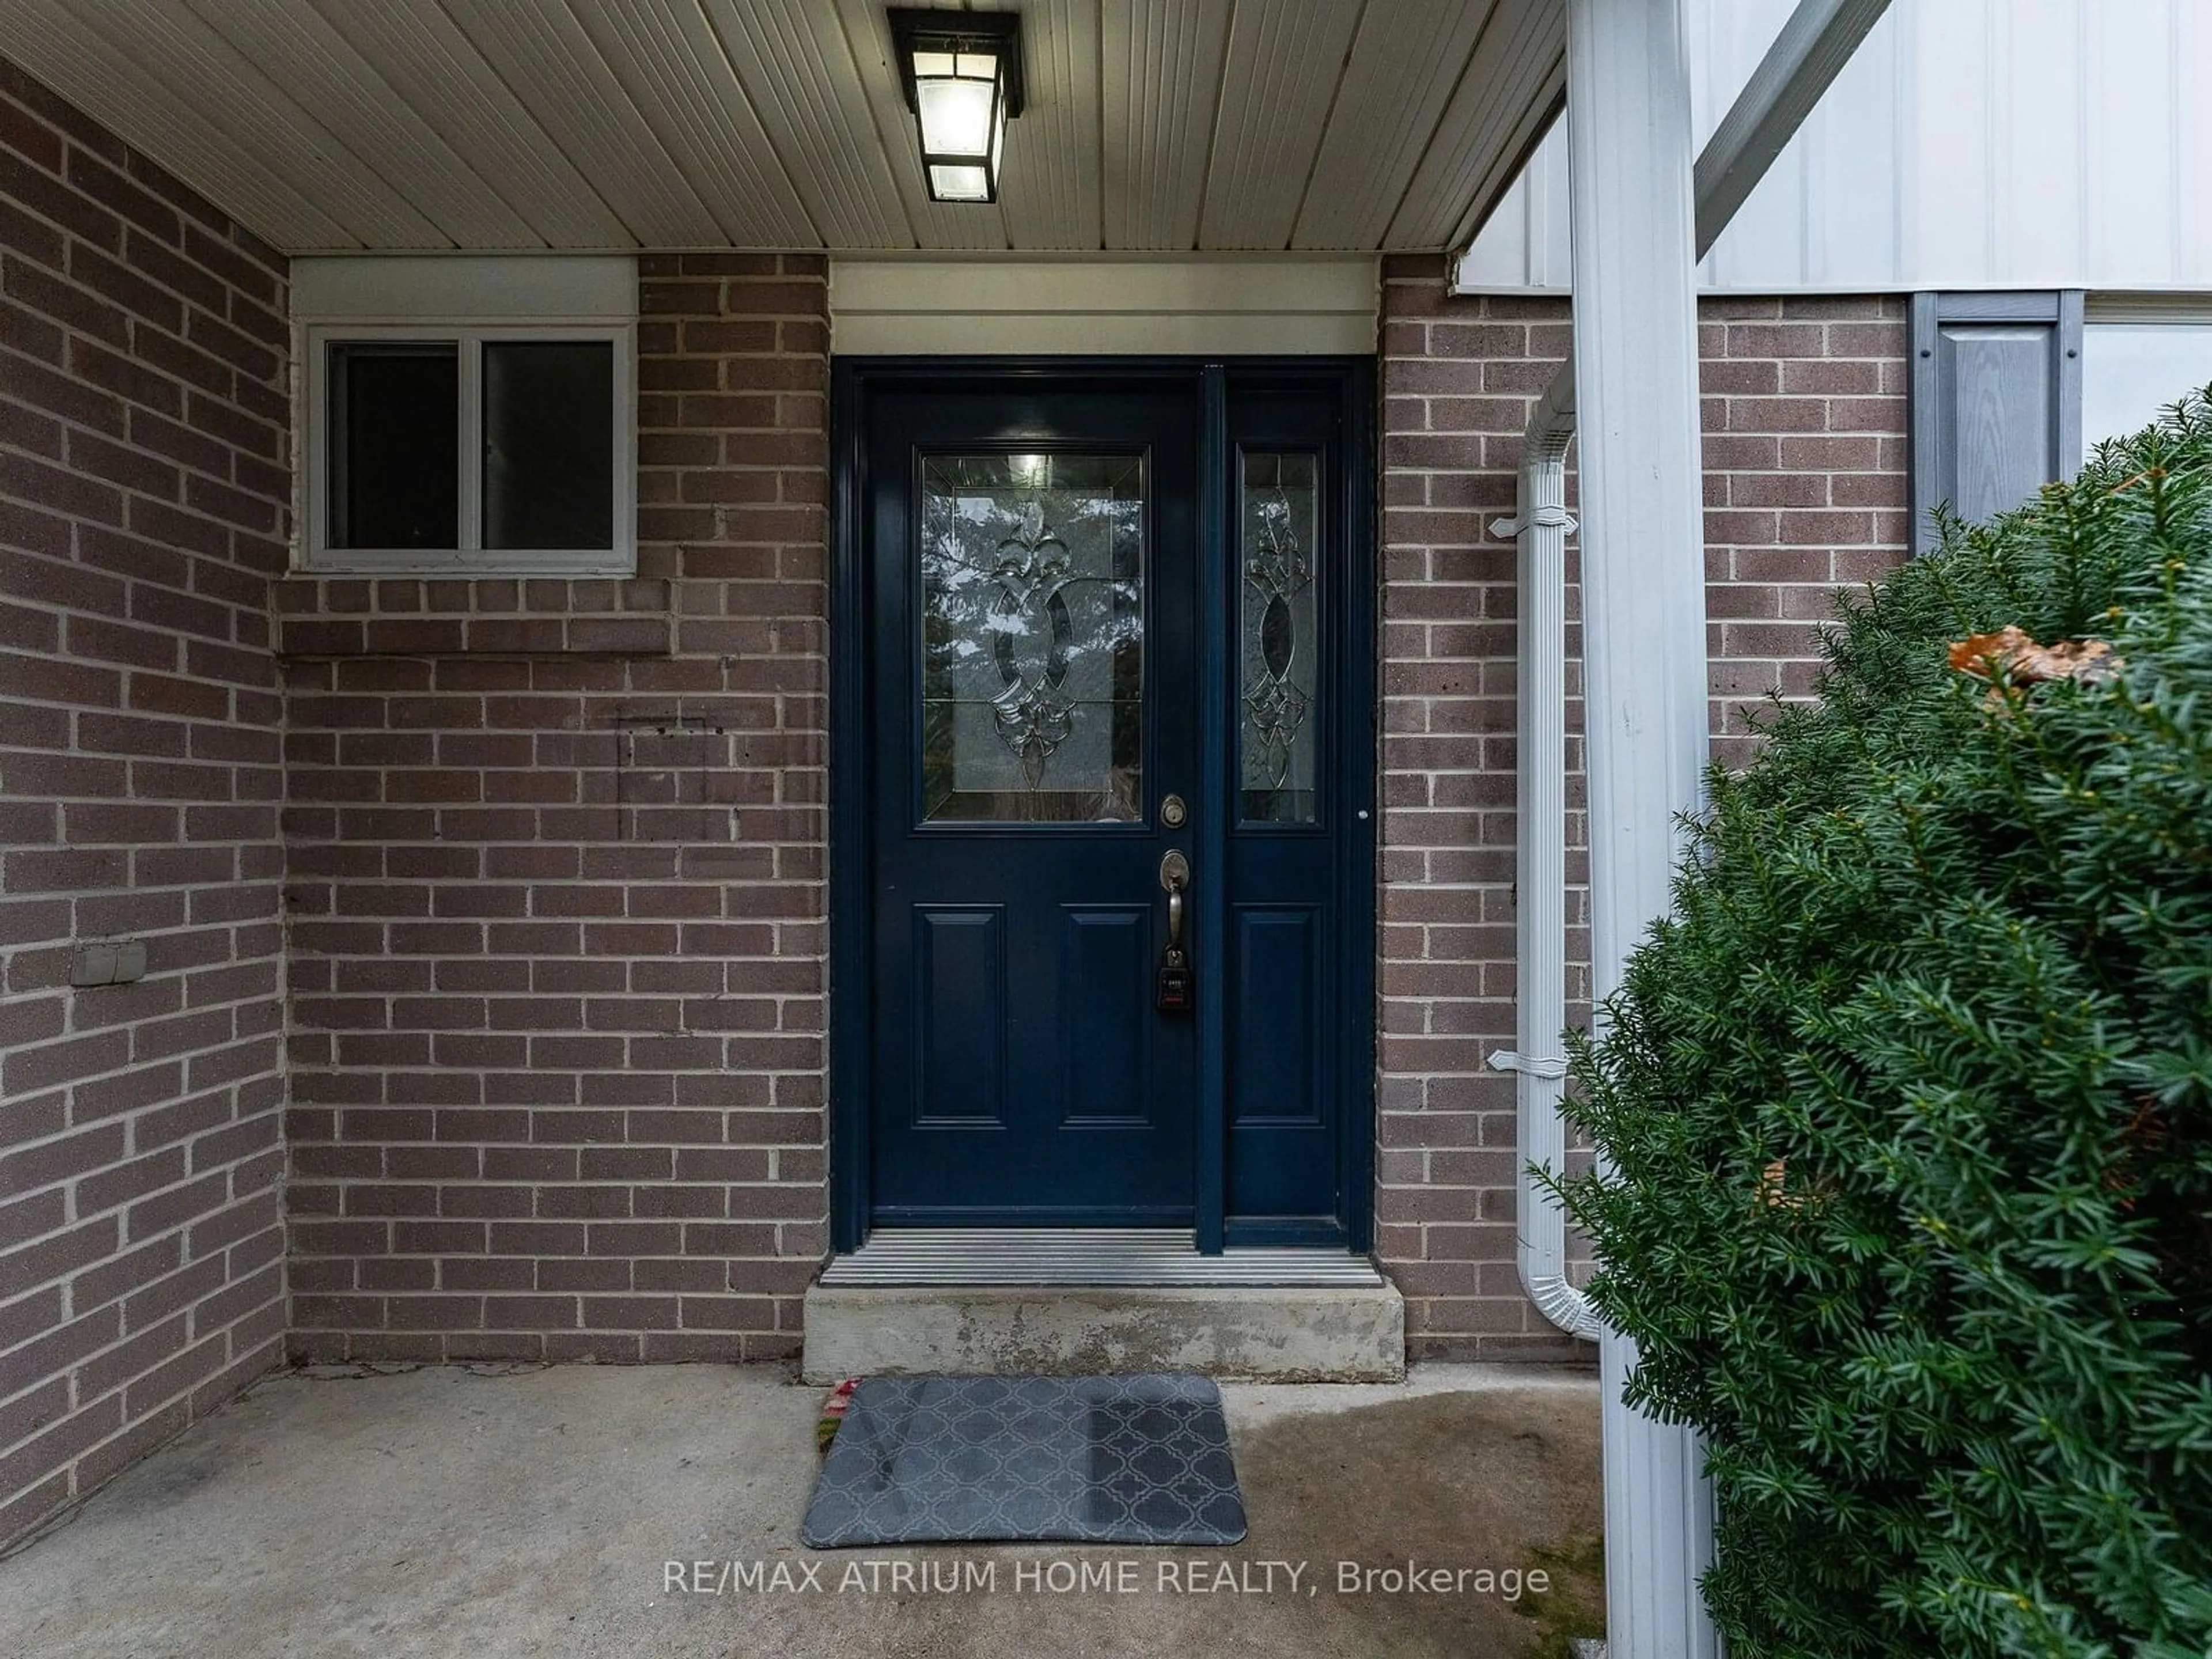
(1174, 989)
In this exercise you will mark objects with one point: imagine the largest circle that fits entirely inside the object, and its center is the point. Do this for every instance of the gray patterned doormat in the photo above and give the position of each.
(1107, 1460)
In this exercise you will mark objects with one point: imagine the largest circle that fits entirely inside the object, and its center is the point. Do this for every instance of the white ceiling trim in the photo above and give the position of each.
(1288, 303)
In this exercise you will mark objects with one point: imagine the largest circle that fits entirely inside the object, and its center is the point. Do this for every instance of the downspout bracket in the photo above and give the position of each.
(1504, 1060)
(1543, 518)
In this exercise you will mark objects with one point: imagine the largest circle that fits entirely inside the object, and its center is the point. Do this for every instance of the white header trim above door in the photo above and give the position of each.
(1275, 304)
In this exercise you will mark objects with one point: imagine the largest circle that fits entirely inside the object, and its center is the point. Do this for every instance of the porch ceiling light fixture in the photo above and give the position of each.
(961, 72)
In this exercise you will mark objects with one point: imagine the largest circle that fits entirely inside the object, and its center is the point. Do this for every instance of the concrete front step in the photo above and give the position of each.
(1275, 1335)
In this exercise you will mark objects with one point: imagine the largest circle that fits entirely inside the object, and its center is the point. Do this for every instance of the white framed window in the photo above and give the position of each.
(467, 417)
(2139, 354)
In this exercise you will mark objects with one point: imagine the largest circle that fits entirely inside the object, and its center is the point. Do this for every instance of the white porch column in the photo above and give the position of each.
(1644, 655)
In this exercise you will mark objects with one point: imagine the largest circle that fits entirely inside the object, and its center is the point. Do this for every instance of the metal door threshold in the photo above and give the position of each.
(1087, 1258)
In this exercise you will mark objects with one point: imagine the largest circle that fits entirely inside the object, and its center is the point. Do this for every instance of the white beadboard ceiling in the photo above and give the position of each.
(1164, 125)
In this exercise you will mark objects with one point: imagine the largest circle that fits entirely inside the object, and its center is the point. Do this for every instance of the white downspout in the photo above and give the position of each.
(1541, 524)
(1811, 48)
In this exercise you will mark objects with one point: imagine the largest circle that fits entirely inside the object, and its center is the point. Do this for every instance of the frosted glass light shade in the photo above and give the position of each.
(959, 184)
(962, 73)
(955, 112)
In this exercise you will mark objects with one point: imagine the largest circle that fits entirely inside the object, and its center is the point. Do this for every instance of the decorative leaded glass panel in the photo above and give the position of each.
(1279, 652)
(1032, 638)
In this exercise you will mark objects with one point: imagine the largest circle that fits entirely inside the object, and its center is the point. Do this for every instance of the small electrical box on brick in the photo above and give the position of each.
(107, 962)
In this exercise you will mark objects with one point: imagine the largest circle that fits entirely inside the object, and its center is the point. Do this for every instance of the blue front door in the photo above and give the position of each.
(1055, 809)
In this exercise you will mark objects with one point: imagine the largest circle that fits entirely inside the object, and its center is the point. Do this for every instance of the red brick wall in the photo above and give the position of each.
(1804, 411)
(556, 885)
(143, 493)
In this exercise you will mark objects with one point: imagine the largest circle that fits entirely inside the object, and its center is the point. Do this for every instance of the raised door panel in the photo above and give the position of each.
(1105, 1017)
(959, 1015)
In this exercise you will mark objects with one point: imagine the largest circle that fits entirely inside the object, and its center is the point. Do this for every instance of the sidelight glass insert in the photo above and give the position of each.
(1032, 638)
(1279, 654)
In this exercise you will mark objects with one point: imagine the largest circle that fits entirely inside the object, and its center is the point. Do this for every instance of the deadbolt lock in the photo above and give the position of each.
(1173, 812)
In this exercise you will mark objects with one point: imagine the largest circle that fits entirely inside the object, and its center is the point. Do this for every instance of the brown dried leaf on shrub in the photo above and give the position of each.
(1772, 1190)
(2026, 663)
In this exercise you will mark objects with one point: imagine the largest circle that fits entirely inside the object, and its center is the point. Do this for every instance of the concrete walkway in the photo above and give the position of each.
(484, 1511)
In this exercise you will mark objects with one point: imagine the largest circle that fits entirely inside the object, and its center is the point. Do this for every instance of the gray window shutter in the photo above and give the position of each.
(1996, 400)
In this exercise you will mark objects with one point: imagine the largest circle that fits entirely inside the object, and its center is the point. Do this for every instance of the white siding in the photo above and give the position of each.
(1970, 144)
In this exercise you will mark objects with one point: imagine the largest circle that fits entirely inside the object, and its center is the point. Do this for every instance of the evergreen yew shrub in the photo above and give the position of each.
(1907, 1112)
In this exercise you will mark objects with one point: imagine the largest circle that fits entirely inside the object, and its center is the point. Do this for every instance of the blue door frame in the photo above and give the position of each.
(1325, 404)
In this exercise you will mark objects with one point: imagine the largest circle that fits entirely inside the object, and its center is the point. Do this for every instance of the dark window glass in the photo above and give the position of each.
(395, 441)
(548, 434)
